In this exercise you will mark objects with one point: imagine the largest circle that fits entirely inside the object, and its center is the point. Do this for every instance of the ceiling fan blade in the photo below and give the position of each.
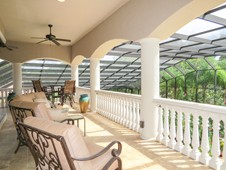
(60, 39)
(54, 41)
(37, 38)
(10, 49)
(41, 41)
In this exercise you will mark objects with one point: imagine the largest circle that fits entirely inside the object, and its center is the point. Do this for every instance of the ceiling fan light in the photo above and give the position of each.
(61, 0)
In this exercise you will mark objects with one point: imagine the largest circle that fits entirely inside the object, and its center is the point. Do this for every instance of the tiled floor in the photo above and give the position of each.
(137, 154)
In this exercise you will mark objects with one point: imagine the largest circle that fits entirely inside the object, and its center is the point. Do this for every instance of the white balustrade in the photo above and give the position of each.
(198, 140)
(183, 126)
(120, 107)
(4, 92)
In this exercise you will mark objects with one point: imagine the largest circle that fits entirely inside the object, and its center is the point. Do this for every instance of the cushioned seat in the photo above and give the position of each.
(67, 146)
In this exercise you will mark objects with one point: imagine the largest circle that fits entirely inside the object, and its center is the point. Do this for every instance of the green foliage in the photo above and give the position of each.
(200, 80)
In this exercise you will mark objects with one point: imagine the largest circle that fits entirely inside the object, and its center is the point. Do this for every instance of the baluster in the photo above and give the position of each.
(204, 157)
(195, 153)
(127, 113)
(97, 102)
(166, 126)
(215, 161)
(130, 113)
(117, 108)
(110, 107)
(223, 166)
(187, 136)
(134, 115)
(120, 110)
(114, 108)
(137, 116)
(179, 135)
(160, 124)
(101, 104)
(104, 105)
(172, 141)
(107, 106)
(124, 112)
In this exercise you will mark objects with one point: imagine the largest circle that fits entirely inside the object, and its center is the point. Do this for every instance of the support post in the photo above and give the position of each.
(17, 78)
(74, 74)
(150, 86)
(94, 81)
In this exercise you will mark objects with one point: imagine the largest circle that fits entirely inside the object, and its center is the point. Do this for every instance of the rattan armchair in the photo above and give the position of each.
(37, 85)
(59, 146)
(68, 92)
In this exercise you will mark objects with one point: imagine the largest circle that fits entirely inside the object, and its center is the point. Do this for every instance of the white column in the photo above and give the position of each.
(17, 78)
(149, 86)
(74, 74)
(94, 81)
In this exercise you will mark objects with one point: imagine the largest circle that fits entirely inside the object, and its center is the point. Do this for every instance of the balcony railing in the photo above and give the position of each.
(4, 94)
(194, 129)
(120, 107)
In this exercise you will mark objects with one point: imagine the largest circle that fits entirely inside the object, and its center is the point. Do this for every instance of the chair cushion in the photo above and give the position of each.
(102, 160)
(43, 100)
(58, 114)
(72, 136)
(39, 109)
(29, 97)
(25, 97)
(39, 95)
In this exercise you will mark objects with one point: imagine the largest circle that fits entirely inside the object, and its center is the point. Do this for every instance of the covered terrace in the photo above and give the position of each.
(138, 51)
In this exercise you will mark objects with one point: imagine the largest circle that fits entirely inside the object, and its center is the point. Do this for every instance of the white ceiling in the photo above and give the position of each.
(23, 19)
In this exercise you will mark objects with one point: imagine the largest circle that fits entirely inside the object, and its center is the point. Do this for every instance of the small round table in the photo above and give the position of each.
(75, 116)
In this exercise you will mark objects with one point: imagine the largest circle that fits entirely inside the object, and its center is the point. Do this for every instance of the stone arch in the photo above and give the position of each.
(56, 59)
(77, 60)
(181, 17)
(141, 19)
(104, 48)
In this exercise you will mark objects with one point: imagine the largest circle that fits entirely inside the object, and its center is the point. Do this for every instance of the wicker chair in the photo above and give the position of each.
(59, 146)
(68, 92)
(37, 85)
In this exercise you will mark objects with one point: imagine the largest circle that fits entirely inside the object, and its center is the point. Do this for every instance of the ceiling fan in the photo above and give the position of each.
(51, 37)
(3, 45)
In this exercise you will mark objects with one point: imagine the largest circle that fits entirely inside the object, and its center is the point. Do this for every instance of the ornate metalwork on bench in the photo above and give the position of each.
(48, 150)
(18, 115)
